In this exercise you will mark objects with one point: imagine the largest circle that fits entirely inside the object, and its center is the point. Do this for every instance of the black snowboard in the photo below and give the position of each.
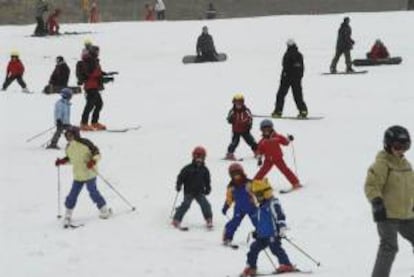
(289, 117)
(49, 89)
(371, 62)
(345, 72)
(221, 57)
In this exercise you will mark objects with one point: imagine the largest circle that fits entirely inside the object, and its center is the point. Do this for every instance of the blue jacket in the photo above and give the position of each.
(62, 111)
(243, 200)
(270, 218)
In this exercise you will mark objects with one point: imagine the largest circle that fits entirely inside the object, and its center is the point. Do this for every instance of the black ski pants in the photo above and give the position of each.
(388, 231)
(185, 205)
(338, 53)
(40, 27)
(93, 102)
(285, 84)
(10, 79)
(248, 138)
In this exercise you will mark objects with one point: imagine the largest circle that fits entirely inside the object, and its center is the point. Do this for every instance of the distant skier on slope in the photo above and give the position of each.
(344, 45)
(291, 77)
(83, 155)
(195, 177)
(205, 49)
(52, 23)
(270, 229)
(40, 8)
(269, 147)
(15, 71)
(244, 204)
(241, 121)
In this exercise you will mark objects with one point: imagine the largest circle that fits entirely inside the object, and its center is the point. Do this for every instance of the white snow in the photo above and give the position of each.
(182, 106)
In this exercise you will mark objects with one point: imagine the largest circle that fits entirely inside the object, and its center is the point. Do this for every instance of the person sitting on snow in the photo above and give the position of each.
(206, 52)
(52, 23)
(378, 51)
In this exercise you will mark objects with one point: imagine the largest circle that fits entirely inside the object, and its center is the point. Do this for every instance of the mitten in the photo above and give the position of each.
(378, 209)
(90, 164)
(60, 162)
(282, 232)
(290, 137)
(207, 190)
(259, 161)
(225, 208)
(178, 188)
(254, 234)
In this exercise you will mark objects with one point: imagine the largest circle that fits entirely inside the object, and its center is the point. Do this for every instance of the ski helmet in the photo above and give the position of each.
(87, 42)
(59, 59)
(238, 98)
(262, 189)
(235, 168)
(14, 53)
(290, 42)
(398, 137)
(199, 152)
(75, 131)
(66, 93)
(266, 123)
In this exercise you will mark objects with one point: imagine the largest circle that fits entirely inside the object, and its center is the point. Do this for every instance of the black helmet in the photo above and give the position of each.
(397, 137)
(75, 131)
(266, 123)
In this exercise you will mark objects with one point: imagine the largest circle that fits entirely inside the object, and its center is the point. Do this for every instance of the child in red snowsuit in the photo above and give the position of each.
(378, 51)
(52, 23)
(269, 147)
(15, 70)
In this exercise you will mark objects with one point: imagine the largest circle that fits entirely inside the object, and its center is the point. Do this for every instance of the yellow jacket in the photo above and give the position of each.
(392, 179)
(80, 152)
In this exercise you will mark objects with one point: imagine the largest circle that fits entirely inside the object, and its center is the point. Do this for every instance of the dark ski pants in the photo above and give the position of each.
(185, 205)
(338, 53)
(93, 193)
(57, 134)
(10, 79)
(93, 102)
(234, 223)
(262, 243)
(285, 84)
(388, 248)
(40, 27)
(161, 15)
(281, 165)
(248, 138)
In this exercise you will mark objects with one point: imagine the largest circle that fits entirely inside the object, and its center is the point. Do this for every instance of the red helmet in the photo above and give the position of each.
(236, 167)
(199, 151)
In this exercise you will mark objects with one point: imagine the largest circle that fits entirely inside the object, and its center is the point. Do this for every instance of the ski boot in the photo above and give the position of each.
(283, 268)
(276, 114)
(303, 114)
(67, 220)
(52, 146)
(230, 157)
(86, 127)
(176, 224)
(248, 272)
(209, 223)
(105, 212)
(98, 126)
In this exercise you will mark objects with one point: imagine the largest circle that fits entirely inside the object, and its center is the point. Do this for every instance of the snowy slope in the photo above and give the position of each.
(180, 107)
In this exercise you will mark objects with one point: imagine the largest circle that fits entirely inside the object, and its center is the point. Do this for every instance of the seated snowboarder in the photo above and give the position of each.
(59, 78)
(378, 51)
(206, 52)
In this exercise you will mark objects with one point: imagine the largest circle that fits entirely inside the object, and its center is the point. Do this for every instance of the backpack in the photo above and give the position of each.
(81, 72)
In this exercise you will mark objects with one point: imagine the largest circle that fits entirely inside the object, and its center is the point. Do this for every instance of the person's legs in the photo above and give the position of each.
(388, 248)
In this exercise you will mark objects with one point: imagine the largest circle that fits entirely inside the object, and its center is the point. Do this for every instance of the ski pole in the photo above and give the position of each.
(39, 134)
(173, 206)
(117, 192)
(302, 251)
(270, 260)
(294, 159)
(58, 193)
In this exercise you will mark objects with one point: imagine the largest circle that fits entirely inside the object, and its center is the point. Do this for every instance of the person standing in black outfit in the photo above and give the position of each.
(344, 45)
(206, 52)
(196, 180)
(40, 8)
(292, 74)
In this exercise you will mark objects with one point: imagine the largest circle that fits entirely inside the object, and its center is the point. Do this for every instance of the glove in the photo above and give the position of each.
(90, 164)
(59, 123)
(207, 190)
(178, 188)
(282, 232)
(225, 208)
(378, 208)
(254, 234)
(259, 161)
(290, 137)
(60, 162)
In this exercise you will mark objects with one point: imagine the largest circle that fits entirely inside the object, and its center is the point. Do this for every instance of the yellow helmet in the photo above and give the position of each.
(261, 189)
(14, 53)
(87, 41)
(238, 97)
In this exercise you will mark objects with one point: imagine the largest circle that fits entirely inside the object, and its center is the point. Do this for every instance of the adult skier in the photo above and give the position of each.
(40, 8)
(344, 45)
(389, 187)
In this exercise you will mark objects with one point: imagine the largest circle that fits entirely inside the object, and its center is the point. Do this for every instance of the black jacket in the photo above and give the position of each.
(195, 178)
(205, 44)
(60, 75)
(344, 41)
(292, 63)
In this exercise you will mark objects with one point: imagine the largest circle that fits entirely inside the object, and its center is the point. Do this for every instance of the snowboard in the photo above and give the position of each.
(345, 72)
(289, 117)
(49, 89)
(371, 62)
(61, 34)
(221, 57)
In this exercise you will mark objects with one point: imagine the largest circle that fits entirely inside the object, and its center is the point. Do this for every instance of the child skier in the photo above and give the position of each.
(196, 180)
(83, 155)
(62, 116)
(269, 146)
(270, 229)
(15, 70)
(238, 192)
(240, 118)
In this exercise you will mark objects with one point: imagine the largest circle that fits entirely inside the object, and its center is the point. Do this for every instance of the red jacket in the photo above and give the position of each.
(241, 119)
(270, 147)
(378, 51)
(15, 68)
(52, 24)
(94, 80)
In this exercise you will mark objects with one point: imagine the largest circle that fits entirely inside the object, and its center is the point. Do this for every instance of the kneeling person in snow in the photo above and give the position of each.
(196, 180)
(83, 155)
(206, 52)
(62, 116)
(238, 192)
(270, 229)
